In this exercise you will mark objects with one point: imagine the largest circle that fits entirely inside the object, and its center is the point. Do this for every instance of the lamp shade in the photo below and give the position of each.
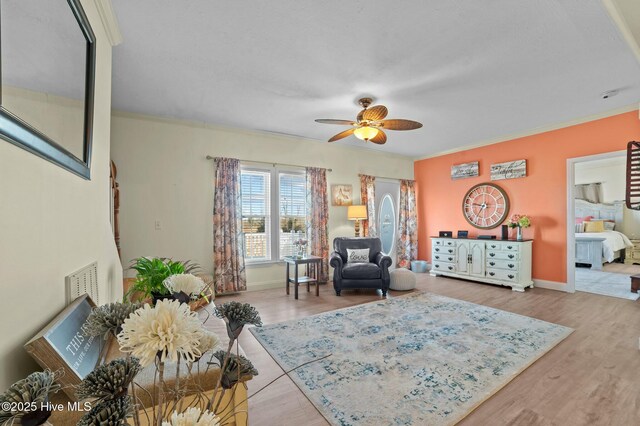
(365, 133)
(356, 212)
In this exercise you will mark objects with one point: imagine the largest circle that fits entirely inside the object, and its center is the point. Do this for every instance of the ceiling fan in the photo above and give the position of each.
(370, 123)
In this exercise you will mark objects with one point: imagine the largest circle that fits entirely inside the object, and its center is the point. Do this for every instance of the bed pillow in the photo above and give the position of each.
(579, 228)
(583, 219)
(594, 226)
(358, 255)
(609, 225)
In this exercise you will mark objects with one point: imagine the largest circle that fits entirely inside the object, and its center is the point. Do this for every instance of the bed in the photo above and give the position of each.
(594, 248)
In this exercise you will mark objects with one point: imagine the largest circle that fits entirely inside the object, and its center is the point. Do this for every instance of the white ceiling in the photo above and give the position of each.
(469, 70)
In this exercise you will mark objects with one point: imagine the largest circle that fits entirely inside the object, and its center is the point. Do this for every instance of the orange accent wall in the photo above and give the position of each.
(542, 194)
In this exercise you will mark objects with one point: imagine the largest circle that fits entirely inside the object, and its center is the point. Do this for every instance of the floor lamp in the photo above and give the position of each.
(357, 213)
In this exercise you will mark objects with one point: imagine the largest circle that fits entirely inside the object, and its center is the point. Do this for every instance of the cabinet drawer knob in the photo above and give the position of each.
(509, 247)
(492, 254)
(437, 249)
(511, 256)
(492, 263)
(437, 257)
(492, 273)
(511, 265)
(450, 250)
(493, 246)
(510, 276)
(450, 267)
(450, 259)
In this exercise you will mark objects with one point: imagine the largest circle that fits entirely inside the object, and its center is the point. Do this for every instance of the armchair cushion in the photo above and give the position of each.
(361, 271)
(357, 255)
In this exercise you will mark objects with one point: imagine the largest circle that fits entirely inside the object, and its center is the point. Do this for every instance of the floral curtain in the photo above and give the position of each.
(368, 198)
(408, 224)
(228, 241)
(318, 218)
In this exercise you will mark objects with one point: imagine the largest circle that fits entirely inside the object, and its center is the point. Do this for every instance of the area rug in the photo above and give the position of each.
(605, 283)
(420, 359)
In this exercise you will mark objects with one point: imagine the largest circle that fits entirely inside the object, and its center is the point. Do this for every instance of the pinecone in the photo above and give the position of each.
(113, 412)
(109, 381)
(108, 318)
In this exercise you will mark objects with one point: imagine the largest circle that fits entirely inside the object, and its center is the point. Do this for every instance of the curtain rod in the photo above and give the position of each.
(269, 162)
(385, 177)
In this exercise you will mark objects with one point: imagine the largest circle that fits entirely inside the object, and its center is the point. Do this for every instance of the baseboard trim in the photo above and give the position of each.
(551, 285)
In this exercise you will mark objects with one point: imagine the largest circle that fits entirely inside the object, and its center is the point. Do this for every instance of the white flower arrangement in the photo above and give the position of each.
(192, 417)
(186, 283)
(169, 330)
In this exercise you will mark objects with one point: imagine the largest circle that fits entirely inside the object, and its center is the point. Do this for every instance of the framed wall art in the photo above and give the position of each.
(509, 170)
(466, 170)
(341, 195)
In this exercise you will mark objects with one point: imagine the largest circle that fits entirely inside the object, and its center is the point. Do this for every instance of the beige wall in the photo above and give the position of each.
(53, 223)
(164, 176)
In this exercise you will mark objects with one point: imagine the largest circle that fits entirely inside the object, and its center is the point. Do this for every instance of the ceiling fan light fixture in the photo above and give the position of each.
(365, 133)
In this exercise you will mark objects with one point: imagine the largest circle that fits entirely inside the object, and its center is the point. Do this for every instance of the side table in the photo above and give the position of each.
(312, 264)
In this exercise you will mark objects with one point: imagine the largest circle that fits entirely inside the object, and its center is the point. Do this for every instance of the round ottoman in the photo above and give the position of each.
(402, 279)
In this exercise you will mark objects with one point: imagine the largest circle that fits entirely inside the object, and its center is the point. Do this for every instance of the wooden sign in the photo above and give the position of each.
(62, 345)
(463, 171)
(509, 170)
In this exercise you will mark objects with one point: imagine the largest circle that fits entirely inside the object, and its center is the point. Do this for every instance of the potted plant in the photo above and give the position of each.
(151, 274)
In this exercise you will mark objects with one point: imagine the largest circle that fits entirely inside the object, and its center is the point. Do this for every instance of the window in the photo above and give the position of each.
(256, 200)
(293, 213)
(273, 212)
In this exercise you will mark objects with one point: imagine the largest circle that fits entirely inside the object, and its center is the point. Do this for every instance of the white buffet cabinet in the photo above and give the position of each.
(500, 262)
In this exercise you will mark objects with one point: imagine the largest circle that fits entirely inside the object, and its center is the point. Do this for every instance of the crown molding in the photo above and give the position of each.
(535, 131)
(109, 21)
(622, 24)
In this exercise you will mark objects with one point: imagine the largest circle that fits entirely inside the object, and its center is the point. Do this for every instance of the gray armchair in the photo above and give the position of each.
(374, 274)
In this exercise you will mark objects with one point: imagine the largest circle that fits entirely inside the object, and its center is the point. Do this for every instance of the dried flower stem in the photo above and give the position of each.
(222, 368)
(160, 392)
(136, 415)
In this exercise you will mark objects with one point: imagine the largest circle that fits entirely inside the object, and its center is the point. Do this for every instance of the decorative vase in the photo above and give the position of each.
(519, 234)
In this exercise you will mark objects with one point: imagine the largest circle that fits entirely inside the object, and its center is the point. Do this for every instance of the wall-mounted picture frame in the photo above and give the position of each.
(341, 195)
(464, 171)
(509, 170)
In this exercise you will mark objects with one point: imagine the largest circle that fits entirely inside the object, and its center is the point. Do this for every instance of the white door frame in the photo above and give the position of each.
(571, 205)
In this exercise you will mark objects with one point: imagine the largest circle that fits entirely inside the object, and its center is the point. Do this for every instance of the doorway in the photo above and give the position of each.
(601, 231)
(386, 205)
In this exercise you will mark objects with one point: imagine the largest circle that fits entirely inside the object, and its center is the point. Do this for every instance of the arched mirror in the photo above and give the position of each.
(387, 224)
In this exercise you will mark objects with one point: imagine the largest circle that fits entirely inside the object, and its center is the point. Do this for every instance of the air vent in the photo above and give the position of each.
(83, 281)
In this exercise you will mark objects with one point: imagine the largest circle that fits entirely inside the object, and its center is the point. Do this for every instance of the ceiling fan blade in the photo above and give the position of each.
(399, 124)
(332, 121)
(341, 135)
(375, 113)
(380, 138)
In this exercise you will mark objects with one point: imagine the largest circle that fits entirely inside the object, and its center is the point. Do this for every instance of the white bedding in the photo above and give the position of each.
(614, 242)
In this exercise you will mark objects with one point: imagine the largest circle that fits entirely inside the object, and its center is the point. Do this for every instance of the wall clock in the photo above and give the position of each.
(485, 206)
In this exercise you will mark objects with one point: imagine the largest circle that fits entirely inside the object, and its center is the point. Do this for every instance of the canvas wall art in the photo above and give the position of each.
(341, 195)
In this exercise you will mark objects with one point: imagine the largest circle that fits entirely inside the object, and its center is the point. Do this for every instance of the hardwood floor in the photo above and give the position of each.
(591, 378)
(621, 268)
